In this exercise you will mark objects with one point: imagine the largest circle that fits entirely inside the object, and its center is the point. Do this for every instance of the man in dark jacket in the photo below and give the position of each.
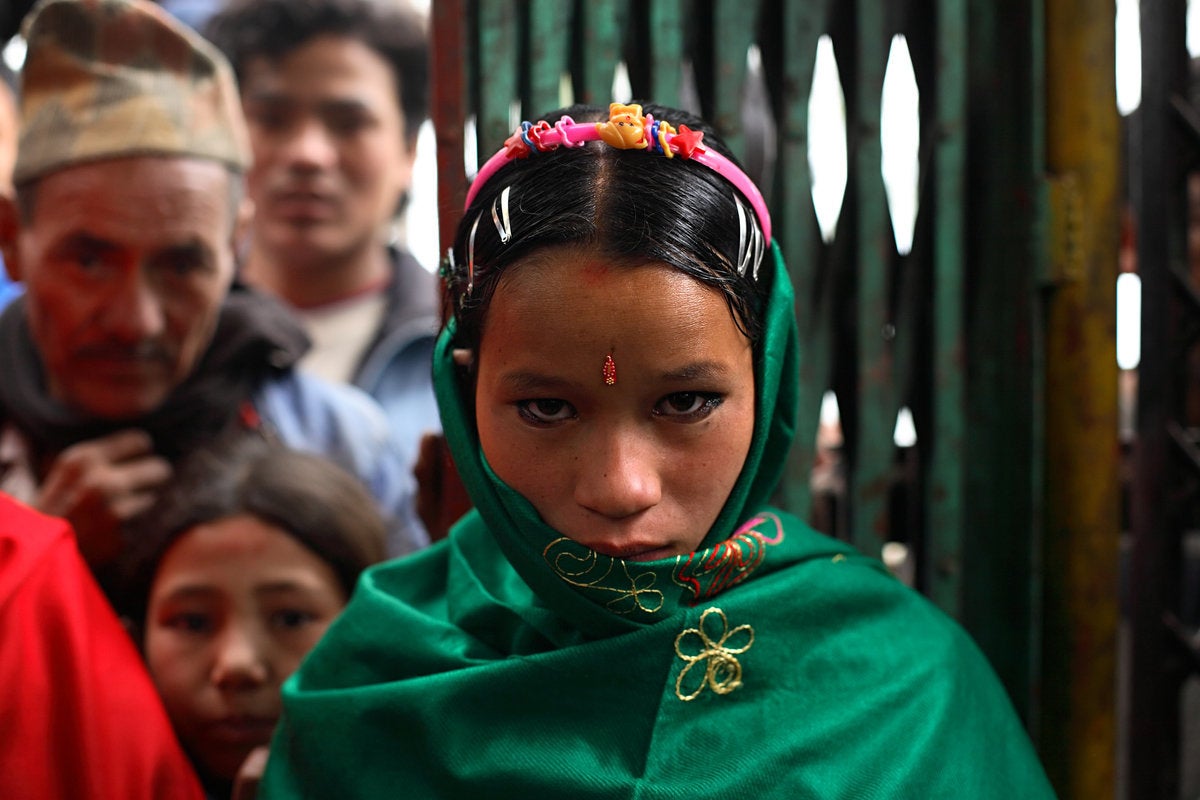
(334, 93)
(128, 351)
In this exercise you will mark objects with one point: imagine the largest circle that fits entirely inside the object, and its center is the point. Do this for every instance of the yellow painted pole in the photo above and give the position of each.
(1079, 651)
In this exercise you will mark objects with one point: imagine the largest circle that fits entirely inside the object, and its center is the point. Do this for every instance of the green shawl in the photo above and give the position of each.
(509, 662)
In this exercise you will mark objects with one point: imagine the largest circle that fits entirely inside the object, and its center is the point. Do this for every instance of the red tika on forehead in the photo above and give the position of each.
(610, 371)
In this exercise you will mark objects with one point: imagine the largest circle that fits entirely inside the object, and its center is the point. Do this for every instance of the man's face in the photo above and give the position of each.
(125, 263)
(331, 157)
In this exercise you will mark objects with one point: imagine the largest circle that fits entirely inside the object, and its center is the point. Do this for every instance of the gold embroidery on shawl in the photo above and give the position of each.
(722, 670)
(587, 569)
(709, 572)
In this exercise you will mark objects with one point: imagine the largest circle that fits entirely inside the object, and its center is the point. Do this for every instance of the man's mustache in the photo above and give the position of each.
(149, 350)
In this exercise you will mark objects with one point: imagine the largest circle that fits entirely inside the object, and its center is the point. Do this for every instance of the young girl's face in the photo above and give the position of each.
(234, 606)
(618, 400)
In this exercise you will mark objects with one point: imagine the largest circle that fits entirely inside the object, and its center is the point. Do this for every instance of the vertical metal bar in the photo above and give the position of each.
(945, 488)
(994, 567)
(448, 35)
(912, 291)
(498, 74)
(1028, 690)
(873, 447)
(809, 263)
(1159, 197)
(439, 484)
(1082, 509)
(666, 49)
(549, 29)
(734, 26)
(603, 24)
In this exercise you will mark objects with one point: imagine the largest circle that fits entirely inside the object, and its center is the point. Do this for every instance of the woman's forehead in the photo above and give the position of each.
(590, 308)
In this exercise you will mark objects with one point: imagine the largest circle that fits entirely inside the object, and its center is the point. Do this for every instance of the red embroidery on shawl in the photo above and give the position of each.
(709, 572)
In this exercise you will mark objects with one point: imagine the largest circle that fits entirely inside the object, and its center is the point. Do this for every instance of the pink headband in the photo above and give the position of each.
(627, 129)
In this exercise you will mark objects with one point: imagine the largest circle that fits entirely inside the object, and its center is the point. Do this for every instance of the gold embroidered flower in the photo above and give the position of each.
(611, 577)
(722, 672)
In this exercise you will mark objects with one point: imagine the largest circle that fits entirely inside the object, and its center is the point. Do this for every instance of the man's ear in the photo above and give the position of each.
(10, 228)
(241, 224)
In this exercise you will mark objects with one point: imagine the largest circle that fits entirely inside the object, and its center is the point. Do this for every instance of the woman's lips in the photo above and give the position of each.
(243, 730)
(634, 552)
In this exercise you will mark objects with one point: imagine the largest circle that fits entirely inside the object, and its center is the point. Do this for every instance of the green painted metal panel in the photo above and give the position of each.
(734, 23)
(549, 40)
(666, 51)
(795, 223)
(497, 79)
(603, 23)
(945, 492)
(876, 406)
(1002, 324)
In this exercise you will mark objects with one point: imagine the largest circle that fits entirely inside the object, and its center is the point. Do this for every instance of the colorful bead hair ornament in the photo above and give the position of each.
(628, 128)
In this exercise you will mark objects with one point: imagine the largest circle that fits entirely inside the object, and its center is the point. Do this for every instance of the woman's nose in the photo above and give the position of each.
(240, 660)
(620, 476)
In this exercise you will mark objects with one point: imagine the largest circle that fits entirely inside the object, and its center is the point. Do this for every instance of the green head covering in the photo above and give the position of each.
(780, 664)
(601, 594)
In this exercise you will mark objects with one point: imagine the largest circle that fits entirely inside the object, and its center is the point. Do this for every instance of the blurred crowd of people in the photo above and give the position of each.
(216, 366)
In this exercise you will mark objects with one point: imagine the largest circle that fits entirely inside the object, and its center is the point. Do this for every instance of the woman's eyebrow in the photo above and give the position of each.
(286, 586)
(697, 370)
(528, 381)
(190, 591)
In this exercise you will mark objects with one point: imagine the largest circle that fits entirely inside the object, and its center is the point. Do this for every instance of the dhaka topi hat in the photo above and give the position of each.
(110, 79)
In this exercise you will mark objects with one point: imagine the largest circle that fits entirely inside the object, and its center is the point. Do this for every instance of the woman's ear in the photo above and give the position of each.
(463, 357)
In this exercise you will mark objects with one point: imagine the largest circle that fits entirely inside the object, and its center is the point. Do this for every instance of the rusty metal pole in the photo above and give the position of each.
(448, 110)
(1078, 730)
(442, 498)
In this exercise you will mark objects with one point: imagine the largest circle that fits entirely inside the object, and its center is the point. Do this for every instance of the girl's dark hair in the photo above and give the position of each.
(628, 205)
(322, 506)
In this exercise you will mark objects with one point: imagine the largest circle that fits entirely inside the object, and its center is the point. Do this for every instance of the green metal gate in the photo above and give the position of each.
(995, 330)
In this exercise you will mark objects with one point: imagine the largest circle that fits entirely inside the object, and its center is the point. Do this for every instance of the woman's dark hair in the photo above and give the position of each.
(322, 506)
(628, 205)
(271, 29)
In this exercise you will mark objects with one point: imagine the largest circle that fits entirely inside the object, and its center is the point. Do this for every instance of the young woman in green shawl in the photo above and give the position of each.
(623, 615)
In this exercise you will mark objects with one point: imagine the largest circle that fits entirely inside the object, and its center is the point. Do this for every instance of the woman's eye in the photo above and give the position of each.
(545, 410)
(189, 622)
(687, 406)
(291, 618)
